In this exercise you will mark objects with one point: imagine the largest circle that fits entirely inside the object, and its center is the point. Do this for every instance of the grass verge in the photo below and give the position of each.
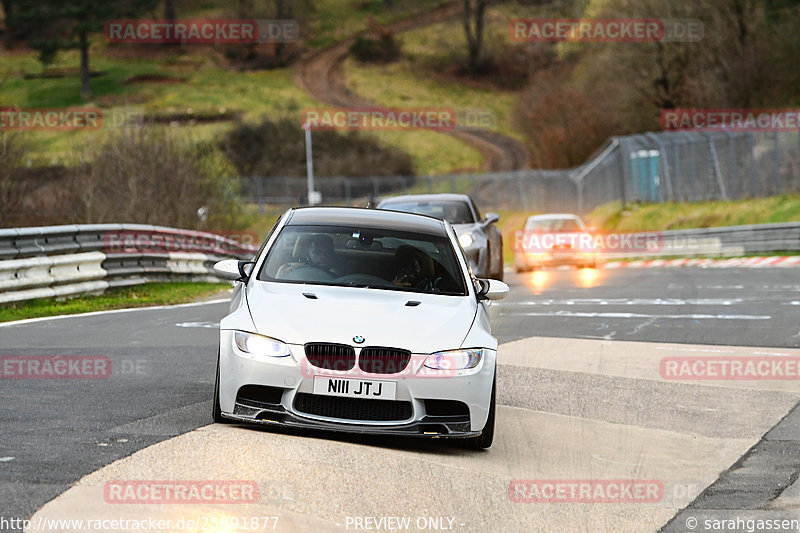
(673, 216)
(145, 295)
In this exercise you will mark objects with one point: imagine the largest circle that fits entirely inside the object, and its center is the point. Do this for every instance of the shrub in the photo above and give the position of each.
(278, 149)
(381, 49)
(153, 175)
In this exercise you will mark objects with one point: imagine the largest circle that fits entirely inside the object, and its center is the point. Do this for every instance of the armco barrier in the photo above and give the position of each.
(53, 261)
(728, 241)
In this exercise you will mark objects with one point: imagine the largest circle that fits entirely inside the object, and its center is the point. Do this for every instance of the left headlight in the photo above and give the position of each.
(454, 359)
(260, 345)
(466, 240)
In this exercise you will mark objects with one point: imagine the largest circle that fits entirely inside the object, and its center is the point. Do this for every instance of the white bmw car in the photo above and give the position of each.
(362, 321)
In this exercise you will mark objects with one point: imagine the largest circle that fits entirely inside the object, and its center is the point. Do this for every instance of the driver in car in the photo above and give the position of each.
(320, 256)
(414, 268)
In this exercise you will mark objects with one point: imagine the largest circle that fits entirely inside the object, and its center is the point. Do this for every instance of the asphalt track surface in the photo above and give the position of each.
(57, 431)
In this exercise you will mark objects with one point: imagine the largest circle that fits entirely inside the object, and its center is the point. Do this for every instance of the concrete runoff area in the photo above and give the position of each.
(571, 412)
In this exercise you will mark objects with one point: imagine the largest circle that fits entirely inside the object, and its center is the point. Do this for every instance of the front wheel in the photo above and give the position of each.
(498, 274)
(484, 440)
(217, 410)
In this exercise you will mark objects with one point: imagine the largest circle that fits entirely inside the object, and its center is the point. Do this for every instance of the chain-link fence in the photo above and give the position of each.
(673, 166)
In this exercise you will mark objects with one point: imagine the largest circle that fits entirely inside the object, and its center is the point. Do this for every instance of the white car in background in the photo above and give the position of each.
(363, 321)
(554, 240)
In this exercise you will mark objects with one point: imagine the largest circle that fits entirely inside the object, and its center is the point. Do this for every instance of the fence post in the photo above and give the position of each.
(715, 166)
(260, 193)
(776, 147)
(733, 174)
(751, 146)
(693, 172)
(523, 194)
(624, 173)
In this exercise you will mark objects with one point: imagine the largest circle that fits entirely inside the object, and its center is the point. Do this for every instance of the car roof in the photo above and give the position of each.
(426, 198)
(372, 218)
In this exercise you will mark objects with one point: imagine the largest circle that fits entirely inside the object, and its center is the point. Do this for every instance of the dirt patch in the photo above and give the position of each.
(155, 78)
(62, 73)
(190, 117)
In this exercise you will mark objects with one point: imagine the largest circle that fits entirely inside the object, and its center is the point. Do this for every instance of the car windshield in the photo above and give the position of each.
(364, 257)
(453, 211)
(554, 224)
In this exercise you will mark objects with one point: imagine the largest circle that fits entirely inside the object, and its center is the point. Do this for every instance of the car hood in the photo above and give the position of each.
(281, 311)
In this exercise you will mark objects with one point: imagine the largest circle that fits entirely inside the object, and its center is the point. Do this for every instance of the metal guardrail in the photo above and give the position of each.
(728, 241)
(58, 261)
(53, 261)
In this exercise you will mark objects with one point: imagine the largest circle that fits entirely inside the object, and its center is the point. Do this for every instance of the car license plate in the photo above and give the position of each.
(355, 388)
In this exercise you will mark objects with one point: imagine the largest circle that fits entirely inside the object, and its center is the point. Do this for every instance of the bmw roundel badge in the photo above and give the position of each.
(358, 339)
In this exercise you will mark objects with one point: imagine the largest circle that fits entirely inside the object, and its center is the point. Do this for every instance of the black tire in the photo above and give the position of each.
(217, 410)
(498, 274)
(484, 440)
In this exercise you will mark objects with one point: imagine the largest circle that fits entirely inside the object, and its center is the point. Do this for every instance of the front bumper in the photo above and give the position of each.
(428, 426)
(293, 375)
(559, 258)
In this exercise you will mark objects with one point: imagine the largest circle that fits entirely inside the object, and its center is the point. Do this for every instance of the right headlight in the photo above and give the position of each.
(466, 240)
(260, 345)
(454, 359)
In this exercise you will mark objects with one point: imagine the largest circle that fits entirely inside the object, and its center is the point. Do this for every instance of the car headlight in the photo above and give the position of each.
(260, 345)
(454, 360)
(466, 240)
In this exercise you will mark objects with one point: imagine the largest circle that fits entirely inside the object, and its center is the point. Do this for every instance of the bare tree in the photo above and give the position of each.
(474, 11)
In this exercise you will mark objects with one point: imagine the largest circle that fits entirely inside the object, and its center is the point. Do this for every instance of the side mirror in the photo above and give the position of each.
(491, 218)
(234, 270)
(492, 289)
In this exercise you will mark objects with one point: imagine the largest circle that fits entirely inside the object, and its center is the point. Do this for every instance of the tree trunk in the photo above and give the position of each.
(169, 9)
(86, 88)
(8, 9)
(473, 29)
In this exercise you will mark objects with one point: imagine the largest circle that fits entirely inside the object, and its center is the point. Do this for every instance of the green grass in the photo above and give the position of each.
(145, 295)
(666, 216)
(335, 20)
(208, 88)
(416, 81)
